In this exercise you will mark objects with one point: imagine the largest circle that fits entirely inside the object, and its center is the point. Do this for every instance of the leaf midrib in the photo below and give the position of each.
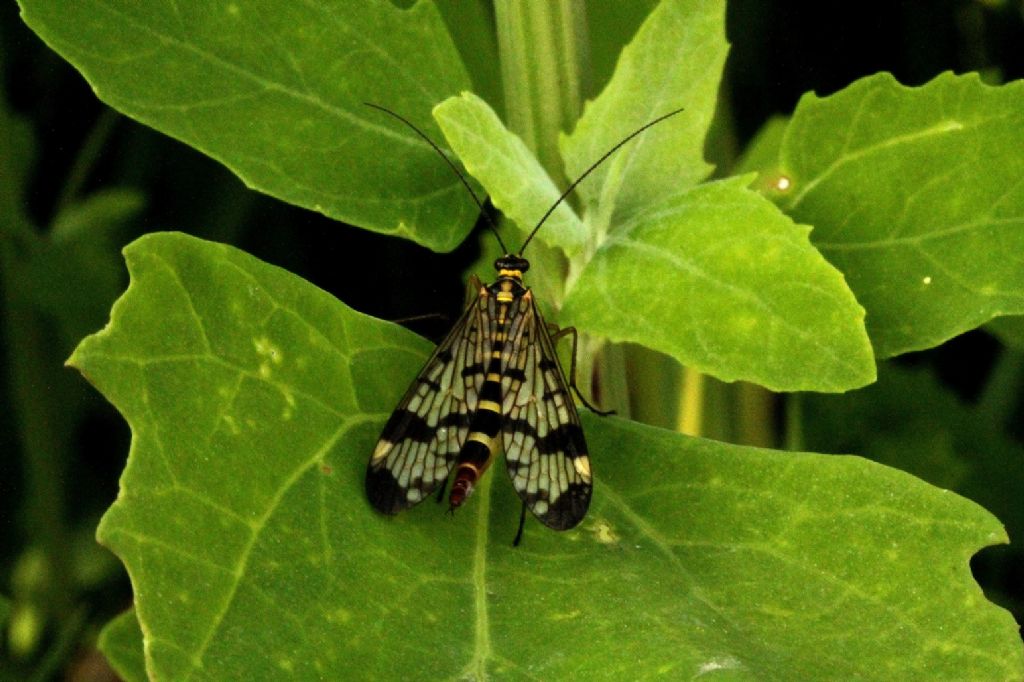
(942, 127)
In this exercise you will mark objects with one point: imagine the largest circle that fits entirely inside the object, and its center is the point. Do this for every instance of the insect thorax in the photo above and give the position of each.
(509, 283)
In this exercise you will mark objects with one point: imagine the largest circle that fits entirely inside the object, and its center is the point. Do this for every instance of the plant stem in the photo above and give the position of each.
(86, 158)
(542, 47)
(794, 422)
(754, 406)
(655, 381)
(691, 403)
(611, 366)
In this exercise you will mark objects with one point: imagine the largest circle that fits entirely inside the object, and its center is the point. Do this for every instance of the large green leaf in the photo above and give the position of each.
(721, 280)
(254, 400)
(121, 642)
(910, 421)
(275, 91)
(915, 194)
(675, 60)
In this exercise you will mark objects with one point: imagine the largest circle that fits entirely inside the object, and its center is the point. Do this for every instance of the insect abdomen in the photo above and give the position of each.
(478, 452)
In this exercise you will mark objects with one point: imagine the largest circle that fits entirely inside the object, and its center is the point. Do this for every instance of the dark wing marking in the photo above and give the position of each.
(545, 451)
(424, 434)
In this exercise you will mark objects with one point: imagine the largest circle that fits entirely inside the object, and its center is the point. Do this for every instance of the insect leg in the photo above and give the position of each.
(572, 369)
(522, 522)
(424, 316)
(440, 491)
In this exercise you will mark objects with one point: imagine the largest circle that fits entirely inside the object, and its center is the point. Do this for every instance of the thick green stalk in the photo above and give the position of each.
(542, 47)
(86, 158)
(611, 366)
(654, 380)
(754, 409)
(690, 419)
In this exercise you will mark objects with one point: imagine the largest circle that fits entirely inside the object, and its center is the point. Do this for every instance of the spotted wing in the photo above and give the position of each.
(545, 451)
(424, 434)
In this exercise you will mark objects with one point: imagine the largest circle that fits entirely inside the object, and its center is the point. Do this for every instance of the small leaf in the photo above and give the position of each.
(513, 177)
(915, 194)
(254, 400)
(275, 91)
(121, 642)
(675, 60)
(722, 281)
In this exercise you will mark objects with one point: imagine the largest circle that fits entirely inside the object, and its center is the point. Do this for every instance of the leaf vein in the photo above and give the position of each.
(242, 562)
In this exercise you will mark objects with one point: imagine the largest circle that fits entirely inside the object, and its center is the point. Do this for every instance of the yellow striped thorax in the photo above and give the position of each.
(509, 284)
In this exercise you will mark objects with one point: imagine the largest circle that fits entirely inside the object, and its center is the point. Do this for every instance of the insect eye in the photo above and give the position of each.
(512, 262)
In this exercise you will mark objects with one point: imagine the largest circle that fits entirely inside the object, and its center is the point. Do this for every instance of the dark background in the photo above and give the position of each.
(779, 51)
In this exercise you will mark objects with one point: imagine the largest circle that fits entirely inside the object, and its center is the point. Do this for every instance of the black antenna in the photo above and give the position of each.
(480, 204)
(588, 171)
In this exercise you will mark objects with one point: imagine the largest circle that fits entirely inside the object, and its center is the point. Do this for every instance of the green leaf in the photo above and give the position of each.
(513, 177)
(763, 150)
(908, 420)
(121, 642)
(674, 61)
(98, 216)
(5, 609)
(759, 304)
(275, 91)
(915, 194)
(1009, 330)
(254, 400)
